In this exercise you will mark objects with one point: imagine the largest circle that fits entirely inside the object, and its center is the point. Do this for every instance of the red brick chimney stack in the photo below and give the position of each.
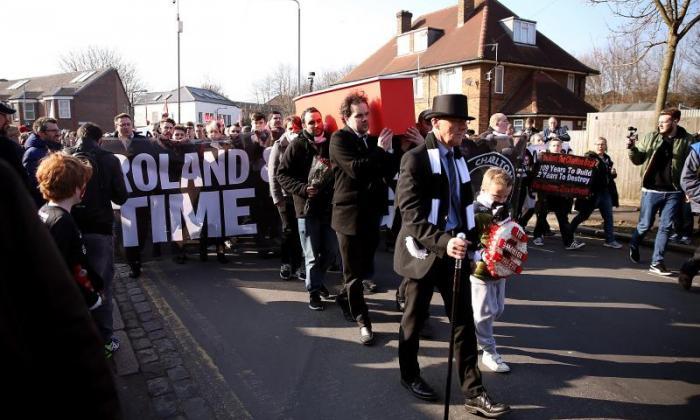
(403, 21)
(465, 8)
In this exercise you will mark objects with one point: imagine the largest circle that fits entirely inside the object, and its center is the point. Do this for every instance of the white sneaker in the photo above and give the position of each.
(495, 362)
(575, 245)
(613, 244)
(538, 241)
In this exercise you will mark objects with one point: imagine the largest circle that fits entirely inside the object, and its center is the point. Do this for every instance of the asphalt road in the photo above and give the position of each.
(587, 334)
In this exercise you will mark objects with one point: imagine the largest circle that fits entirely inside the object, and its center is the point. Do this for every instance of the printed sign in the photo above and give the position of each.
(564, 175)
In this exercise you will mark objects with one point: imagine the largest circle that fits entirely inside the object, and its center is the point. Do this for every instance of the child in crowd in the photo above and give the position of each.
(560, 206)
(489, 293)
(62, 181)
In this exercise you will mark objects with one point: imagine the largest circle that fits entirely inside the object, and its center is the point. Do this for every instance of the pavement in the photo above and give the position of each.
(210, 341)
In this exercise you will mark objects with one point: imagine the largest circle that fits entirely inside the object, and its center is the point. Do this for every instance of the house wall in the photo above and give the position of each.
(99, 102)
(476, 88)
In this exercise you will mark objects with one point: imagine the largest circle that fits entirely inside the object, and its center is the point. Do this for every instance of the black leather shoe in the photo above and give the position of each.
(420, 389)
(482, 404)
(685, 280)
(135, 271)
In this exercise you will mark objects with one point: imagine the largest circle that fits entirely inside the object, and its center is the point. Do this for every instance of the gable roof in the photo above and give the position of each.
(187, 94)
(542, 94)
(63, 84)
(464, 44)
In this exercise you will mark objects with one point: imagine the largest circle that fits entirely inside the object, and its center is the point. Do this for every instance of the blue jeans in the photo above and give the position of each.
(100, 254)
(320, 247)
(666, 204)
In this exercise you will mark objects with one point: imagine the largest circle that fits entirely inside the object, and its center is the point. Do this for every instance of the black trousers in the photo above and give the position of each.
(357, 252)
(691, 266)
(143, 227)
(418, 295)
(561, 207)
(291, 252)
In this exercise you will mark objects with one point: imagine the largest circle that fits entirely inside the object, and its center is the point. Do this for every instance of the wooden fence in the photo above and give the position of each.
(613, 126)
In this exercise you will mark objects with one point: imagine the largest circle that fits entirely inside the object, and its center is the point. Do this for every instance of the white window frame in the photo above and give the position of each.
(51, 110)
(418, 87)
(518, 125)
(403, 44)
(498, 80)
(450, 81)
(64, 109)
(524, 32)
(568, 124)
(420, 40)
(25, 108)
(571, 82)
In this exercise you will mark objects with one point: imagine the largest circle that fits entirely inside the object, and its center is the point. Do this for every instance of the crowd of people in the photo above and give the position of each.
(329, 192)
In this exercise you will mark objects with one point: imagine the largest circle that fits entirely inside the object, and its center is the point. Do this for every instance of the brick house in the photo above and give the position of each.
(72, 98)
(459, 48)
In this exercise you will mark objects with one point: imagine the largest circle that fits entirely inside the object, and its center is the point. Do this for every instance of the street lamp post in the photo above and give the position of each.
(179, 31)
(298, 46)
(489, 75)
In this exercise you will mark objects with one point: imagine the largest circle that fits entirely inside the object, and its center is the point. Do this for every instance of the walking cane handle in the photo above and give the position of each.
(458, 262)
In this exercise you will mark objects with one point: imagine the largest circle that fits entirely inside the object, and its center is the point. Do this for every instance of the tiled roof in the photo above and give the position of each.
(640, 106)
(543, 95)
(64, 83)
(187, 94)
(465, 43)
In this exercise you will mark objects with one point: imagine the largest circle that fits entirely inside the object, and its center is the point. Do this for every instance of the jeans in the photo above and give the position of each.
(683, 222)
(320, 247)
(602, 202)
(100, 253)
(666, 204)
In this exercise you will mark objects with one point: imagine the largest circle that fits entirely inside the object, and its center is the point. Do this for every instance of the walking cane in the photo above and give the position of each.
(453, 312)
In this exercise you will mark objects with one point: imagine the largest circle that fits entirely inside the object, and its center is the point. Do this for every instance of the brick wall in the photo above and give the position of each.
(100, 101)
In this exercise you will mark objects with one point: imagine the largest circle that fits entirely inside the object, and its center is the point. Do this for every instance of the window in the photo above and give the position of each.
(403, 44)
(524, 32)
(83, 76)
(64, 109)
(199, 118)
(420, 41)
(29, 112)
(569, 125)
(450, 81)
(418, 87)
(571, 82)
(498, 82)
(518, 125)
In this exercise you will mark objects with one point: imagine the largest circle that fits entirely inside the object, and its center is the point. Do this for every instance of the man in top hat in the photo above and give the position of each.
(10, 151)
(434, 195)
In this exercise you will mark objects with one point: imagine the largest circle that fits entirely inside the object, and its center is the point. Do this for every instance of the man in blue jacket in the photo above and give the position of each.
(690, 182)
(44, 140)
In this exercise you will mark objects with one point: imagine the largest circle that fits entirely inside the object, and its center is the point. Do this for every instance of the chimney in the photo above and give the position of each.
(403, 21)
(465, 8)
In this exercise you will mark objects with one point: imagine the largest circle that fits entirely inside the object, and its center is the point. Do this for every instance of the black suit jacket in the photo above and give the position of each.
(360, 180)
(423, 196)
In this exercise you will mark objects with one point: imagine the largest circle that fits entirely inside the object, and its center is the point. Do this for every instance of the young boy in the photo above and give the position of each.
(560, 206)
(488, 293)
(62, 181)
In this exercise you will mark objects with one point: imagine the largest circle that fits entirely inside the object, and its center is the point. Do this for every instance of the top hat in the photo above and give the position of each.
(449, 106)
(6, 109)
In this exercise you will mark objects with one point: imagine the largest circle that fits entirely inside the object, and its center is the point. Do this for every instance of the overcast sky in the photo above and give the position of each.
(236, 42)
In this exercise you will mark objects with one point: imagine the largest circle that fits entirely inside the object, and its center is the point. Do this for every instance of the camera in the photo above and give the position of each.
(631, 137)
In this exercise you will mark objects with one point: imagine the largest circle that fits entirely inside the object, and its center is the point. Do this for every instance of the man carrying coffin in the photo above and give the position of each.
(434, 195)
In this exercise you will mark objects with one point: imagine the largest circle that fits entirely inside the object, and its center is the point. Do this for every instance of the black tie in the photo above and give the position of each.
(363, 141)
(454, 184)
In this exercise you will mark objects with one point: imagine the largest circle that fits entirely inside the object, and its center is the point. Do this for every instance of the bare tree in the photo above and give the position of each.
(94, 57)
(653, 23)
(326, 78)
(212, 85)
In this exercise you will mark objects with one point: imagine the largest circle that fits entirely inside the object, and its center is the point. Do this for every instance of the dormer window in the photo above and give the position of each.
(522, 31)
(403, 44)
(420, 41)
(416, 41)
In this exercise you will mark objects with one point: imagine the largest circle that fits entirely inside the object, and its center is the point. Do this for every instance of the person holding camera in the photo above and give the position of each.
(661, 155)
